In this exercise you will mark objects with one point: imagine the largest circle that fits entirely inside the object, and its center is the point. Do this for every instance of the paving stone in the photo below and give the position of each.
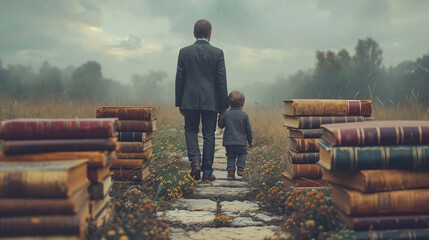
(196, 204)
(229, 233)
(219, 166)
(223, 193)
(219, 160)
(239, 206)
(219, 154)
(266, 217)
(189, 217)
(245, 222)
(222, 174)
(223, 183)
(231, 214)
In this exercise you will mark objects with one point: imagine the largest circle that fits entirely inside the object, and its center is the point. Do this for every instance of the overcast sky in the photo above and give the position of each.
(260, 39)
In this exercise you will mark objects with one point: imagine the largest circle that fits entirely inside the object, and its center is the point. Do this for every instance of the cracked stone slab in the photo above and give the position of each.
(189, 217)
(196, 204)
(245, 222)
(229, 233)
(265, 216)
(224, 183)
(239, 206)
(224, 193)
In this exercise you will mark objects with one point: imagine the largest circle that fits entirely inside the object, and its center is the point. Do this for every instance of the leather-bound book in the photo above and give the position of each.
(60, 145)
(307, 157)
(309, 171)
(303, 144)
(399, 234)
(147, 154)
(407, 157)
(134, 147)
(311, 122)
(288, 181)
(98, 191)
(127, 163)
(377, 133)
(140, 174)
(399, 202)
(42, 179)
(327, 107)
(134, 136)
(304, 133)
(127, 113)
(378, 180)
(45, 206)
(98, 175)
(136, 125)
(32, 129)
(95, 158)
(365, 223)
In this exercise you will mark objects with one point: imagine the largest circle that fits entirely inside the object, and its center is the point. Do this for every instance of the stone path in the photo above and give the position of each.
(192, 218)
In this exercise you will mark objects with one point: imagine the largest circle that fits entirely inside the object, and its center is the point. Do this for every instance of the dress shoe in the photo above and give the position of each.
(240, 171)
(209, 177)
(196, 170)
(231, 175)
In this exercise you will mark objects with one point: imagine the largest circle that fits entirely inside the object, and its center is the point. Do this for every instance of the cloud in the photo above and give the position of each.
(132, 43)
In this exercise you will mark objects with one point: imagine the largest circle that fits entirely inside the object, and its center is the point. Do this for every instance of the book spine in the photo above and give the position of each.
(127, 175)
(310, 171)
(381, 157)
(131, 136)
(131, 113)
(304, 157)
(57, 129)
(63, 145)
(142, 155)
(34, 184)
(392, 234)
(133, 147)
(316, 121)
(136, 125)
(389, 222)
(127, 163)
(381, 136)
(25, 207)
(312, 133)
(96, 191)
(304, 144)
(382, 180)
(332, 107)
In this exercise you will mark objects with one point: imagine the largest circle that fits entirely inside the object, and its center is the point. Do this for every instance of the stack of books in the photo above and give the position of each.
(45, 167)
(136, 126)
(303, 120)
(380, 176)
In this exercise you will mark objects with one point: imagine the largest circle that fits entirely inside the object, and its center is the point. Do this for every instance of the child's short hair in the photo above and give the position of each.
(236, 99)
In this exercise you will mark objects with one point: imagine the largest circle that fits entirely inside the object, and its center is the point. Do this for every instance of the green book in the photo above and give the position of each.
(399, 234)
(411, 157)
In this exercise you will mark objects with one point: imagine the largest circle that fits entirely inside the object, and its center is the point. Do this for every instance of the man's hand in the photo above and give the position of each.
(181, 111)
(251, 145)
(221, 113)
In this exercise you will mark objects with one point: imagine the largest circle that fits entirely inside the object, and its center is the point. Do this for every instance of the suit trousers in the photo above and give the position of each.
(192, 124)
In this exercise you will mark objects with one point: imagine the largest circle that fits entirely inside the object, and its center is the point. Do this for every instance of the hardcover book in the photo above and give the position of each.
(98, 175)
(130, 174)
(95, 158)
(128, 163)
(127, 113)
(309, 171)
(302, 182)
(304, 133)
(327, 107)
(134, 147)
(31, 129)
(42, 179)
(307, 157)
(377, 133)
(60, 145)
(136, 125)
(98, 191)
(400, 202)
(378, 180)
(303, 144)
(406, 157)
(400, 234)
(148, 154)
(133, 136)
(312, 122)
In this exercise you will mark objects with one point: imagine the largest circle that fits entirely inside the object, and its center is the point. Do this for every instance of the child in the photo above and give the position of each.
(237, 132)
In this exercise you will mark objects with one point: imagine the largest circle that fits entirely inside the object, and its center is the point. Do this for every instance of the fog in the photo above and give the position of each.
(273, 49)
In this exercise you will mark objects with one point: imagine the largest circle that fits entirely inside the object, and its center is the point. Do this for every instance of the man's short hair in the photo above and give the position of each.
(202, 28)
(236, 99)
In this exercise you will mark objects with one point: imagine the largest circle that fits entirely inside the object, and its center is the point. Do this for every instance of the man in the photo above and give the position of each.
(201, 93)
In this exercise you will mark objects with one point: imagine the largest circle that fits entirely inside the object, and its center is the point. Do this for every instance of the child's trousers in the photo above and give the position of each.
(235, 153)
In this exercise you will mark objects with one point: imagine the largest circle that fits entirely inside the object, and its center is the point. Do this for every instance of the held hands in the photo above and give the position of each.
(181, 111)
(251, 145)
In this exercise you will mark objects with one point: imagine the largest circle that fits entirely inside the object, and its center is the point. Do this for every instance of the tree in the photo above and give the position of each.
(86, 81)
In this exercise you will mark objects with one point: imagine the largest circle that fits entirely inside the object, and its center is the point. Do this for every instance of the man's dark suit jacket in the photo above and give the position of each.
(201, 78)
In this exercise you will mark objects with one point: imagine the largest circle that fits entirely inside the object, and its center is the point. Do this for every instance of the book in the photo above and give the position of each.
(134, 147)
(42, 179)
(378, 180)
(45, 206)
(127, 163)
(31, 129)
(327, 107)
(405, 157)
(308, 157)
(133, 136)
(363, 223)
(140, 155)
(399, 202)
(377, 133)
(127, 113)
(96, 207)
(130, 174)
(303, 144)
(400, 234)
(98, 175)
(95, 158)
(136, 125)
(304, 133)
(309, 171)
(59, 145)
(46, 225)
(42, 238)
(288, 181)
(311, 122)
(98, 191)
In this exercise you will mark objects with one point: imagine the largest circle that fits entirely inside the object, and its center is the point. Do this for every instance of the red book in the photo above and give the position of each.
(377, 133)
(30, 129)
(127, 113)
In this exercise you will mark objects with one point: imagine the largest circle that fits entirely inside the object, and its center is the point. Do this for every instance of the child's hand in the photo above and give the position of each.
(251, 145)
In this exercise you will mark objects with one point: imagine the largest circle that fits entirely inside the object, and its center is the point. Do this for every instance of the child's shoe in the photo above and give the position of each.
(231, 175)
(240, 171)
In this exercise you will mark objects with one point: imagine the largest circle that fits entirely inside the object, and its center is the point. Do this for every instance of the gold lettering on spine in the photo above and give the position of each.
(353, 158)
(417, 157)
(334, 159)
(420, 134)
(386, 159)
(362, 136)
(360, 107)
(378, 135)
(339, 136)
(397, 135)
(401, 129)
